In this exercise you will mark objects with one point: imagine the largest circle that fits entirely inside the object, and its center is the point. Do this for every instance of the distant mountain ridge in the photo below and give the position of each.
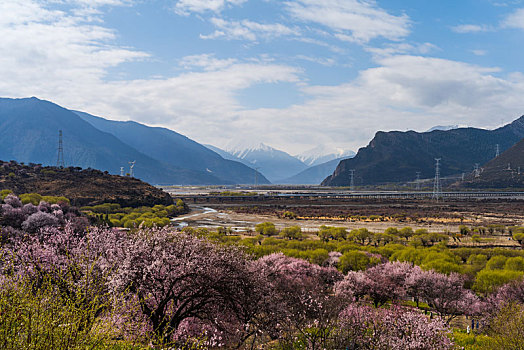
(397, 156)
(175, 149)
(313, 175)
(322, 154)
(29, 133)
(273, 163)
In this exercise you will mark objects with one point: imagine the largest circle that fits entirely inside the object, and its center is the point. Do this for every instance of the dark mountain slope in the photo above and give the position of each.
(175, 149)
(397, 156)
(29, 133)
(505, 171)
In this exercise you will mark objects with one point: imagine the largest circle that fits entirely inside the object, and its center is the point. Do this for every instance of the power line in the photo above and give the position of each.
(60, 159)
(437, 187)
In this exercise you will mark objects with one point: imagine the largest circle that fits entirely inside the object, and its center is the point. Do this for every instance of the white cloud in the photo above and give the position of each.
(479, 52)
(186, 7)
(320, 60)
(247, 30)
(471, 28)
(63, 57)
(515, 20)
(402, 48)
(48, 51)
(206, 61)
(403, 92)
(353, 20)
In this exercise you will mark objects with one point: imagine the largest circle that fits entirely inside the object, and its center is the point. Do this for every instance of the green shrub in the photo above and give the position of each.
(355, 261)
(266, 228)
(42, 317)
(488, 281)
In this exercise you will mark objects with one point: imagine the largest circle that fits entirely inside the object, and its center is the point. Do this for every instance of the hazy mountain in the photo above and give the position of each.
(505, 171)
(322, 154)
(29, 133)
(273, 163)
(225, 155)
(397, 156)
(176, 150)
(314, 174)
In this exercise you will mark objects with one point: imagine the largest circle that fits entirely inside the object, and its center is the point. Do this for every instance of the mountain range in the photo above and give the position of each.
(397, 156)
(307, 168)
(315, 174)
(323, 154)
(273, 163)
(29, 133)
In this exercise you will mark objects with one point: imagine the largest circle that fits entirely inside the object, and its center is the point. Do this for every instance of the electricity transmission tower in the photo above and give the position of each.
(131, 166)
(121, 171)
(60, 159)
(437, 187)
(351, 179)
(417, 181)
(477, 170)
(497, 151)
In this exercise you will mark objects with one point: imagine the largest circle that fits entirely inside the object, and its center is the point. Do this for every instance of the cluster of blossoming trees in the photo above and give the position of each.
(166, 287)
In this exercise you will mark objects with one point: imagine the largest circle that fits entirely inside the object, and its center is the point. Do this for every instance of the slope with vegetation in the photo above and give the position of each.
(82, 187)
(505, 171)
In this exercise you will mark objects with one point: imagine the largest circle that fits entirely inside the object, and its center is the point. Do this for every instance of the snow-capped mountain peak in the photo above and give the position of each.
(322, 154)
(242, 149)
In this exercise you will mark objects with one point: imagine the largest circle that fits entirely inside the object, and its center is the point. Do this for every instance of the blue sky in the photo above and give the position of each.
(293, 74)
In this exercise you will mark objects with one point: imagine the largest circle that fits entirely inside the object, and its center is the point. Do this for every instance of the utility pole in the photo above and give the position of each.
(437, 187)
(351, 179)
(417, 181)
(60, 159)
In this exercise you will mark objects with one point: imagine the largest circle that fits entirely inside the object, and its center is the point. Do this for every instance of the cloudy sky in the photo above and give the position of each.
(293, 74)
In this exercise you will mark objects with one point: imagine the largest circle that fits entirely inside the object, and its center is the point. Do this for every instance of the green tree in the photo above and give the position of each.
(519, 237)
(405, 232)
(353, 260)
(515, 264)
(496, 262)
(266, 228)
(292, 232)
(488, 281)
(507, 328)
